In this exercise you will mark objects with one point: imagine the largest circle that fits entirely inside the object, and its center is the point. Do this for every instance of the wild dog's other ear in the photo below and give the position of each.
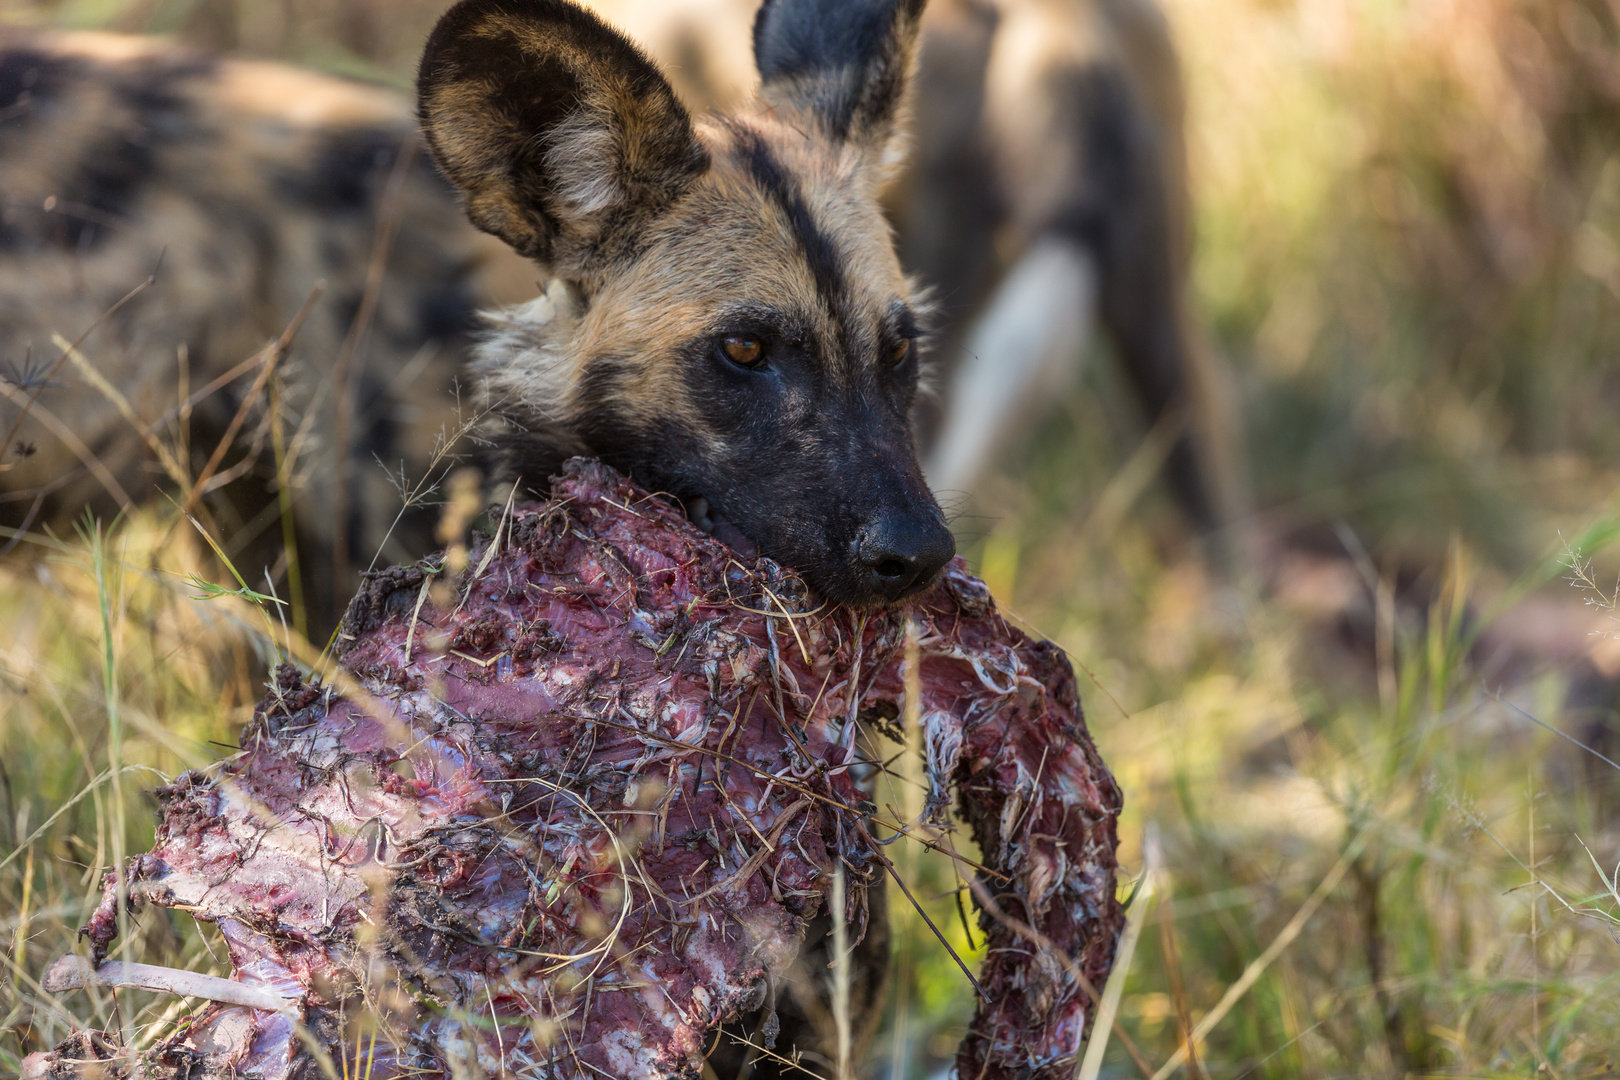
(562, 136)
(845, 62)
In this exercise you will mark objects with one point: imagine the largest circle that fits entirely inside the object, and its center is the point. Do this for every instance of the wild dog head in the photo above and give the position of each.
(726, 318)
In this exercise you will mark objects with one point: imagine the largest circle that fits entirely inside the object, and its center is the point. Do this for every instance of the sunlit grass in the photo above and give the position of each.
(1470, 933)
(113, 677)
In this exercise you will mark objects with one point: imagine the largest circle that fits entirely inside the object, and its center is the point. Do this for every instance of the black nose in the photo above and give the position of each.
(901, 553)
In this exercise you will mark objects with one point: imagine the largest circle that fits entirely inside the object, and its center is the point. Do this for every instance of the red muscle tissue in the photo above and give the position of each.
(567, 819)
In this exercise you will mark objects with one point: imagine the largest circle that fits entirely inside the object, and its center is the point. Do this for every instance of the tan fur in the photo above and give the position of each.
(744, 253)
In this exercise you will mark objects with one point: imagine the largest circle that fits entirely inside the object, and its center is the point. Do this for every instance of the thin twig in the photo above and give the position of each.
(888, 865)
(1497, 694)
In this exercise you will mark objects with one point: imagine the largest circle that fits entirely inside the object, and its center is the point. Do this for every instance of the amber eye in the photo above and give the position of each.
(744, 350)
(900, 352)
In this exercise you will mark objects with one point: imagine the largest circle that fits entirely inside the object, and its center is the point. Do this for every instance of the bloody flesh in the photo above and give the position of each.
(564, 817)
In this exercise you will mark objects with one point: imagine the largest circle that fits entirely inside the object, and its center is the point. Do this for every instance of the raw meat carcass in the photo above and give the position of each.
(566, 815)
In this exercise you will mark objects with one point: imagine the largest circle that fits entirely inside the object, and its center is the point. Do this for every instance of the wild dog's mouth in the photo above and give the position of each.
(709, 522)
(892, 557)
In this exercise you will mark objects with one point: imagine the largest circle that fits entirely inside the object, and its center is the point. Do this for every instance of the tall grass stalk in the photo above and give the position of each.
(1145, 896)
(109, 594)
(907, 800)
(284, 497)
(842, 976)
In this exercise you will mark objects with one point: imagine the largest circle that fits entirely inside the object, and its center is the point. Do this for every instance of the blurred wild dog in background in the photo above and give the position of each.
(239, 188)
(1046, 182)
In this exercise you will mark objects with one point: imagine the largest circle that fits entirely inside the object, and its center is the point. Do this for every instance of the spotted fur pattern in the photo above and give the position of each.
(237, 187)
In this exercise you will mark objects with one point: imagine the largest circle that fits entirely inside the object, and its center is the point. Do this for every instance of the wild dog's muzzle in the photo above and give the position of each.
(902, 551)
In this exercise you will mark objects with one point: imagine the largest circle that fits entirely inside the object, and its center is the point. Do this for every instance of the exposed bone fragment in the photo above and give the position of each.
(75, 973)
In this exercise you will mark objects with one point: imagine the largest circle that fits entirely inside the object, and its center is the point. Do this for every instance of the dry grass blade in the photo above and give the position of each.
(166, 458)
(1108, 1008)
(491, 551)
(1178, 985)
(842, 974)
(1259, 964)
(1611, 883)
(109, 580)
(183, 409)
(416, 613)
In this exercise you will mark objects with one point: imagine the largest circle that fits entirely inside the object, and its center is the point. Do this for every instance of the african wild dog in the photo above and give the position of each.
(241, 185)
(727, 319)
(1047, 175)
(119, 151)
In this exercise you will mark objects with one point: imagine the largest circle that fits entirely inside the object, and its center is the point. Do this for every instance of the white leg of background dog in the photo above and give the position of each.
(1023, 347)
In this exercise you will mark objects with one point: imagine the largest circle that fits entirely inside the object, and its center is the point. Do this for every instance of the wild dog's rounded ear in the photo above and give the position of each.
(847, 63)
(562, 136)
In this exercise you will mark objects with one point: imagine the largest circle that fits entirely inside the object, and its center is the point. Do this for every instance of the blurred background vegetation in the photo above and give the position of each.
(1408, 260)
